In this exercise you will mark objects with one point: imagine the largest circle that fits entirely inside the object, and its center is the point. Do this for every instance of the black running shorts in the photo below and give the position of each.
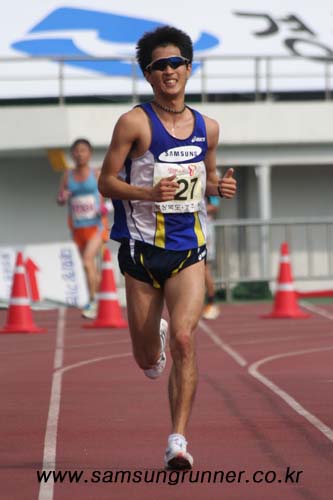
(155, 265)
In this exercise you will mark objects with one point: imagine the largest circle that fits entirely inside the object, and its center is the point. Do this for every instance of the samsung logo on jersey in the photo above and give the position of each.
(181, 153)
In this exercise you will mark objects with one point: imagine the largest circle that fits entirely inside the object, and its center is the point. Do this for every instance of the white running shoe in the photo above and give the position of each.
(210, 311)
(157, 370)
(90, 310)
(176, 455)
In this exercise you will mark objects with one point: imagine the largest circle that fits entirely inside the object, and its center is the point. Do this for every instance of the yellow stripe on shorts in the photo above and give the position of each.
(198, 230)
(175, 271)
(160, 230)
(155, 282)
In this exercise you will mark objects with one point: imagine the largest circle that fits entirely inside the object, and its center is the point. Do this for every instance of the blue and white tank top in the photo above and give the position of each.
(84, 203)
(179, 224)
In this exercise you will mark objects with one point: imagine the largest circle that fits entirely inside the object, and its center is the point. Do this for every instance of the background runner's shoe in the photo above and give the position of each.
(158, 369)
(176, 456)
(210, 311)
(90, 310)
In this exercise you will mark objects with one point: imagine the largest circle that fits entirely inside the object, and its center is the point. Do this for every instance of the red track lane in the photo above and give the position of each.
(264, 403)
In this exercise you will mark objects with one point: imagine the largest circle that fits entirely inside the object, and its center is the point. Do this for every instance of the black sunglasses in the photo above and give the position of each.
(160, 64)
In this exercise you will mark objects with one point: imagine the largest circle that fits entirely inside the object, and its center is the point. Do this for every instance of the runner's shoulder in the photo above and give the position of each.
(134, 119)
(213, 129)
(211, 124)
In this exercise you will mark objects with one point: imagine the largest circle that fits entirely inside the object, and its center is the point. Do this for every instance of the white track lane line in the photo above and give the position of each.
(46, 490)
(316, 309)
(253, 371)
(50, 440)
(93, 360)
(222, 345)
(295, 405)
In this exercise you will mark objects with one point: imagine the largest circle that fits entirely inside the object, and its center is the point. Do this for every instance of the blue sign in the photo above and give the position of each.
(109, 27)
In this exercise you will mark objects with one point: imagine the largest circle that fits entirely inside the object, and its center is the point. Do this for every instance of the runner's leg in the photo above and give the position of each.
(89, 255)
(144, 309)
(184, 294)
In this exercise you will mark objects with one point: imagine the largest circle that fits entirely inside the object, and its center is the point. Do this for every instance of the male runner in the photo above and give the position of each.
(160, 164)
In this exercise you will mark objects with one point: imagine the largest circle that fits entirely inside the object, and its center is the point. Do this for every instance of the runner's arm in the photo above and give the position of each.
(226, 186)
(63, 193)
(125, 136)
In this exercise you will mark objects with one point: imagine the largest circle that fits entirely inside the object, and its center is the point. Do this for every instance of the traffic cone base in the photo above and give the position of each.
(293, 314)
(285, 300)
(285, 316)
(109, 313)
(19, 329)
(19, 319)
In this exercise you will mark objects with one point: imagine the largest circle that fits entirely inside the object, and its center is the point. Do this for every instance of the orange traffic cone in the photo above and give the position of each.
(19, 319)
(108, 308)
(285, 300)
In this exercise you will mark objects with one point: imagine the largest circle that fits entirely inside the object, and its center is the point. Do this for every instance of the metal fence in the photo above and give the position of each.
(258, 76)
(249, 249)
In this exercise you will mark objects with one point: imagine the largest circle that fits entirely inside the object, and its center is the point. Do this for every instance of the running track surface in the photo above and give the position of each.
(73, 399)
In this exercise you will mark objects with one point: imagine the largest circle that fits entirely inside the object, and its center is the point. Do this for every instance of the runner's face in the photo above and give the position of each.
(169, 81)
(81, 155)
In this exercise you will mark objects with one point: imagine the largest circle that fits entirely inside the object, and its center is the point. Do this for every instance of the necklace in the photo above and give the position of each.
(169, 110)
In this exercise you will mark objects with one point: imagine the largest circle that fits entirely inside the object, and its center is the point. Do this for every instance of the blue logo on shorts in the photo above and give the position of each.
(108, 28)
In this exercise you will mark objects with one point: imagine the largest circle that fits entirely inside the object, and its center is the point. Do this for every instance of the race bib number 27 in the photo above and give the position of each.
(188, 197)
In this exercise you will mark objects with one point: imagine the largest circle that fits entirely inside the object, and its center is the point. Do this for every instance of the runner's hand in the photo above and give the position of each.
(63, 196)
(227, 186)
(165, 189)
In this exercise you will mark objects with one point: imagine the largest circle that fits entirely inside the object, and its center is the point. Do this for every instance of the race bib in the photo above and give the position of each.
(84, 207)
(189, 195)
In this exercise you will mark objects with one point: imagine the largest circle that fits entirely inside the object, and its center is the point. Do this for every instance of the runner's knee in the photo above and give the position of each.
(88, 262)
(181, 345)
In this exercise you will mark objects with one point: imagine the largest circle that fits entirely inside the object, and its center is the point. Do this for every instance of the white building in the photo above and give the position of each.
(280, 145)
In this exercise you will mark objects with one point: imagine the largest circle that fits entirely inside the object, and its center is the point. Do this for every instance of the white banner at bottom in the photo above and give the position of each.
(54, 272)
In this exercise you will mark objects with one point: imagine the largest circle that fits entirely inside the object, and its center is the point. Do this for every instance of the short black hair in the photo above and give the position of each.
(81, 140)
(161, 37)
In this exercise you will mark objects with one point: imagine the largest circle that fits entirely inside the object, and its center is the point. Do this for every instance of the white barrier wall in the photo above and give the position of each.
(41, 127)
(53, 272)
